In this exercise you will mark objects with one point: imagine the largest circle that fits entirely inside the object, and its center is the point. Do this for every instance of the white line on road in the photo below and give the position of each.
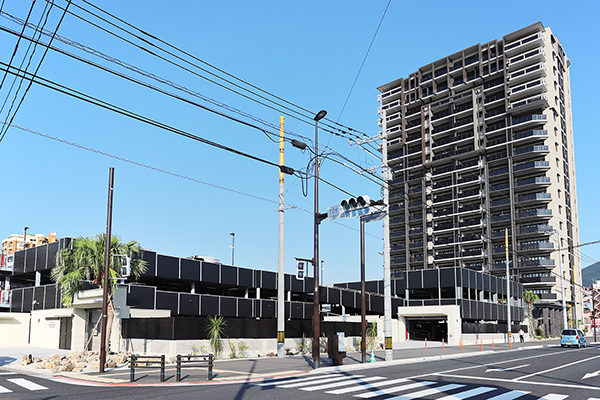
(562, 385)
(351, 381)
(292, 380)
(591, 374)
(27, 384)
(4, 390)
(554, 396)
(327, 380)
(555, 368)
(513, 394)
(427, 392)
(506, 369)
(367, 386)
(468, 393)
(368, 395)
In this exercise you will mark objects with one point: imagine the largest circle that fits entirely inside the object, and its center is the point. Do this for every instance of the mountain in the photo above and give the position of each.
(590, 274)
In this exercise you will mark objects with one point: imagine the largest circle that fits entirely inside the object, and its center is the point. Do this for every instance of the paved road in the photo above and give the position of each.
(551, 373)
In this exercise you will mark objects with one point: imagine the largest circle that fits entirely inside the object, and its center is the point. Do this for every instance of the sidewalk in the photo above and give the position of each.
(241, 370)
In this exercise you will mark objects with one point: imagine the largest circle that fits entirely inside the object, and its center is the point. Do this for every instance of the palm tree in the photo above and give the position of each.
(530, 297)
(215, 328)
(83, 262)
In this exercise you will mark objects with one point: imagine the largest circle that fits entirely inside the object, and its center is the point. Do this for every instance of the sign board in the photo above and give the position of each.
(337, 212)
(341, 341)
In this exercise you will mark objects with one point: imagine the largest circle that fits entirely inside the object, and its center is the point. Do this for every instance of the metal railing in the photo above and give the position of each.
(196, 359)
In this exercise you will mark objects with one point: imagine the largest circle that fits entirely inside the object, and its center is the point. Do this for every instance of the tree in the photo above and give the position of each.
(530, 297)
(83, 262)
(215, 328)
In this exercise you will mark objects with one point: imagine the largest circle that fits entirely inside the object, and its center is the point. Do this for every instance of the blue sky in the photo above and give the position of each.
(307, 53)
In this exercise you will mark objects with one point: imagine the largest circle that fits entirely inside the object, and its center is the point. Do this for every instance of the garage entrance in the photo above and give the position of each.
(434, 329)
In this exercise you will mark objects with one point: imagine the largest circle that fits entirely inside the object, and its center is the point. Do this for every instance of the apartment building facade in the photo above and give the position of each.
(479, 151)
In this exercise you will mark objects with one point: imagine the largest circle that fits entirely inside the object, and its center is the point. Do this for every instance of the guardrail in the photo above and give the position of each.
(188, 359)
(148, 362)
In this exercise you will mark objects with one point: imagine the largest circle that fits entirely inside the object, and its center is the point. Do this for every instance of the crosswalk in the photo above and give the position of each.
(399, 389)
(13, 384)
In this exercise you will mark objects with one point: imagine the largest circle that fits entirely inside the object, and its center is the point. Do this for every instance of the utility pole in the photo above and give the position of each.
(562, 281)
(322, 272)
(387, 272)
(507, 286)
(280, 261)
(103, 335)
(363, 301)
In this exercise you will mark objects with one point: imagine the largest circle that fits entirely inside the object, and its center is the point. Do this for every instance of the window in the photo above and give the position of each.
(560, 210)
(557, 162)
(559, 191)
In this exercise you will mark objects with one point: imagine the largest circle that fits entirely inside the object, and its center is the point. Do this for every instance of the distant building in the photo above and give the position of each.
(479, 144)
(15, 242)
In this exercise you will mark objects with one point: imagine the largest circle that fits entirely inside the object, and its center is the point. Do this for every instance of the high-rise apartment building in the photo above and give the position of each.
(479, 144)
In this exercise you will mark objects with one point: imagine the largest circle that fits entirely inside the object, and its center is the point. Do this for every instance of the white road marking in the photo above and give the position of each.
(327, 380)
(394, 389)
(427, 392)
(562, 385)
(280, 382)
(554, 396)
(506, 369)
(513, 394)
(27, 384)
(7, 373)
(351, 381)
(368, 386)
(555, 368)
(468, 393)
(4, 390)
(591, 374)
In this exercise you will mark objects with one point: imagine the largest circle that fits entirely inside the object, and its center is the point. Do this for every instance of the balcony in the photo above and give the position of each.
(540, 100)
(535, 118)
(501, 217)
(528, 167)
(527, 89)
(538, 246)
(520, 61)
(534, 198)
(397, 221)
(534, 230)
(538, 280)
(520, 46)
(533, 264)
(534, 214)
(526, 74)
(529, 151)
(542, 181)
(530, 135)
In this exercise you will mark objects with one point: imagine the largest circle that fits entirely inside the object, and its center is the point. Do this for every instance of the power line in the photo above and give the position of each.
(308, 119)
(92, 100)
(35, 72)
(164, 171)
(364, 59)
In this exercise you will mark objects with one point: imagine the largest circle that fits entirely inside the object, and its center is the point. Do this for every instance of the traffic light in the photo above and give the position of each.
(125, 267)
(300, 270)
(356, 206)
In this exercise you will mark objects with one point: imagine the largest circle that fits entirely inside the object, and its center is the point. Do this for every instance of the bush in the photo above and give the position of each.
(539, 331)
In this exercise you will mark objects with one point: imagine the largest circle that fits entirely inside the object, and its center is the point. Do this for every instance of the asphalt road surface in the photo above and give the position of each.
(551, 373)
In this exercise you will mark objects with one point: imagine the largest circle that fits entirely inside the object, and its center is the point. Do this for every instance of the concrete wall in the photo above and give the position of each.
(256, 347)
(14, 329)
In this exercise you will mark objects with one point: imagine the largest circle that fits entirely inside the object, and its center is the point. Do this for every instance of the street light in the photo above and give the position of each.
(316, 312)
(232, 247)
(25, 237)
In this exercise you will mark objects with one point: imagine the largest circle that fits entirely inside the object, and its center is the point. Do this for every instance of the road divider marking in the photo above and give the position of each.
(27, 384)
(506, 369)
